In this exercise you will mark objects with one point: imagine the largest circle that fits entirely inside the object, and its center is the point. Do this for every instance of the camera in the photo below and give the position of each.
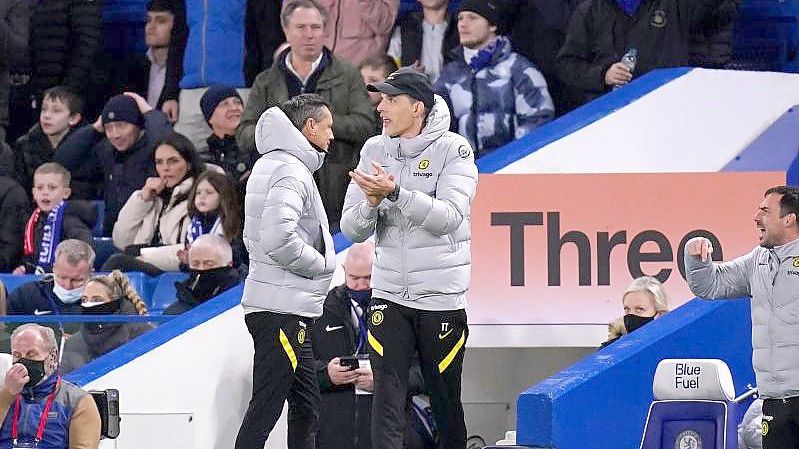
(108, 404)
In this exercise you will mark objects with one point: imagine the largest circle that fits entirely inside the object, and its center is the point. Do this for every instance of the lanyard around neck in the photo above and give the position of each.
(42, 419)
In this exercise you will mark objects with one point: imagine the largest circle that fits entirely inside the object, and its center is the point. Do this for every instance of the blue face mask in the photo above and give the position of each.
(362, 297)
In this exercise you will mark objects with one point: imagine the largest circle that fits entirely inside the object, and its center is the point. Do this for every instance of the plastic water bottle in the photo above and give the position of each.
(630, 59)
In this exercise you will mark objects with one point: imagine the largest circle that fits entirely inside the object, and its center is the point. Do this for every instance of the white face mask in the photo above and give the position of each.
(67, 296)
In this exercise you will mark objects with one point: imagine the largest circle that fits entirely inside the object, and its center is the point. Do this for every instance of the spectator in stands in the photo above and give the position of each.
(711, 43)
(344, 417)
(537, 33)
(13, 209)
(54, 219)
(59, 293)
(495, 95)
(768, 275)
(146, 74)
(307, 67)
(644, 300)
(152, 225)
(34, 383)
(602, 31)
(214, 54)
(15, 21)
(262, 36)
(214, 208)
(292, 260)
(357, 29)
(222, 108)
(211, 273)
(426, 39)
(62, 110)
(112, 294)
(64, 45)
(121, 141)
(375, 70)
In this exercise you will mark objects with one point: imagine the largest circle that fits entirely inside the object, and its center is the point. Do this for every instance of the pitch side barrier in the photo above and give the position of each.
(601, 402)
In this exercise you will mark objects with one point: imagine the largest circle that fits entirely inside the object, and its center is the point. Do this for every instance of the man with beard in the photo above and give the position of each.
(38, 407)
(211, 273)
(769, 274)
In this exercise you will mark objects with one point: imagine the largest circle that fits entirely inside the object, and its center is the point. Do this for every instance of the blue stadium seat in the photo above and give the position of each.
(165, 293)
(694, 406)
(103, 248)
(11, 282)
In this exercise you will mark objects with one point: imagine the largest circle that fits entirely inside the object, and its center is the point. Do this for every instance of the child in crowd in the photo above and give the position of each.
(60, 114)
(214, 209)
(54, 219)
(152, 225)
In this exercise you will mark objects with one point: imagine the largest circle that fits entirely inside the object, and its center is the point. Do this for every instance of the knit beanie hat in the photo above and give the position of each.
(213, 96)
(122, 108)
(489, 9)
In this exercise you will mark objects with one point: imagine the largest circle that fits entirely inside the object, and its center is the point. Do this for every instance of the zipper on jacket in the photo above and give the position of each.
(203, 38)
(405, 285)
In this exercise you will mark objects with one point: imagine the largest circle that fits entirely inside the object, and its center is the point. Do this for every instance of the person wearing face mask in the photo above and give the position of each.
(292, 259)
(211, 272)
(644, 300)
(37, 407)
(60, 292)
(153, 223)
(104, 295)
(341, 331)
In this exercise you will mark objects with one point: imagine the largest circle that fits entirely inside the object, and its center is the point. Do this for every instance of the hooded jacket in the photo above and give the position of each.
(187, 295)
(423, 240)
(292, 257)
(497, 103)
(771, 278)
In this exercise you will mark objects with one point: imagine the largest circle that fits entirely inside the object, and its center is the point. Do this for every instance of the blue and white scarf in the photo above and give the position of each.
(197, 228)
(51, 235)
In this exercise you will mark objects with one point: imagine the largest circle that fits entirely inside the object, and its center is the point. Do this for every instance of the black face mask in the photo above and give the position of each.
(634, 322)
(205, 284)
(106, 308)
(35, 371)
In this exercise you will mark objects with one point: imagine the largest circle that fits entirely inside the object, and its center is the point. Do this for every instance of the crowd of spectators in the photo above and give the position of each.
(155, 149)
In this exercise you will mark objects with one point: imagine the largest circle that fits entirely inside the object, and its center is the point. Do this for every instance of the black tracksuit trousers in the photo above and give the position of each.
(283, 368)
(395, 332)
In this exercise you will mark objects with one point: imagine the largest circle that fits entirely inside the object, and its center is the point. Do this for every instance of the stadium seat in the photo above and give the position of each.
(693, 406)
(99, 206)
(103, 248)
(165, 293)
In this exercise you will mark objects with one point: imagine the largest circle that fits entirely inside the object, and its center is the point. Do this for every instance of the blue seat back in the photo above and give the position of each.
(690, 423)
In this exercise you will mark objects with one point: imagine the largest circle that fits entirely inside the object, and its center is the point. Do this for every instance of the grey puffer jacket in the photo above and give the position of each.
(292, 257)
(423, 240)
(775, 309)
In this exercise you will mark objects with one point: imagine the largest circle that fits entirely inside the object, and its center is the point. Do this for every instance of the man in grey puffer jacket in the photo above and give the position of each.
(413, 188)
(292, 260)
(770, 275)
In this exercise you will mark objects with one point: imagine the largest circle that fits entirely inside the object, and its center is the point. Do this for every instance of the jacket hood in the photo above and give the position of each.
(438, 120)
(274, 131)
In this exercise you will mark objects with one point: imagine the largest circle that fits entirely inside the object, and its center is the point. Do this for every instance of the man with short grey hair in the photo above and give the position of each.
(292, 260)
(73, 420)
(60, 292)
(211, 273)
(306, 66)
